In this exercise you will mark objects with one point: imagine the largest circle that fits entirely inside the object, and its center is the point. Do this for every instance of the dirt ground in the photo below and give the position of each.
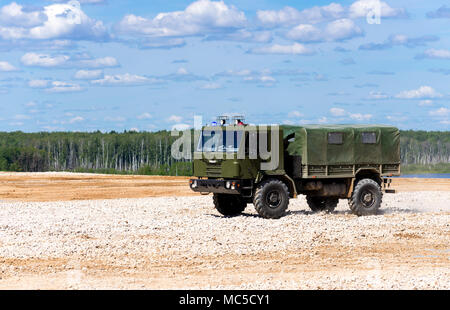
(80, 186)
(84, 231)
(67, 186)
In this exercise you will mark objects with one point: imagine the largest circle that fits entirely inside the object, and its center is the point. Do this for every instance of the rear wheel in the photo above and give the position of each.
(271, 199)
(229, 205)
(366, 198)
(318, 204)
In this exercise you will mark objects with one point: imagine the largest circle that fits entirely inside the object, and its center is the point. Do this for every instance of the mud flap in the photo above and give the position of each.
(387, 186)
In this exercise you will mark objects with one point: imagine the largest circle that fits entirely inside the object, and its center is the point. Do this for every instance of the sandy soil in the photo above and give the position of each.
(82, 186)
(170, 240)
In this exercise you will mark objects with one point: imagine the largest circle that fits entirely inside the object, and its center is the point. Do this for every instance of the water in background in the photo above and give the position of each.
(427, 176)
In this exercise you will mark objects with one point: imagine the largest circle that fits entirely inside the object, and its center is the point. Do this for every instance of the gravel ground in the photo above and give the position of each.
(182, 242)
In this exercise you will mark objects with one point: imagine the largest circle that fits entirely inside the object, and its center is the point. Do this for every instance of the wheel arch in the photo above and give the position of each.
(368, 173)
(288, 181)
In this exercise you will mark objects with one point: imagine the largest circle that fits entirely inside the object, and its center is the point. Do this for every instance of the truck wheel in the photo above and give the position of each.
(366, 198)
(271, 199)
(318, 204)
(229, 205)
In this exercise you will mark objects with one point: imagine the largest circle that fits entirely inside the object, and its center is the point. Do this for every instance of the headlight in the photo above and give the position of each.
(233, 185)
(228, 184)
(194, 184)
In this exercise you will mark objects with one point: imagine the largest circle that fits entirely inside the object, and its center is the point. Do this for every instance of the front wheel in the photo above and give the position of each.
(229, 205)
(366, 197)
(271, 199)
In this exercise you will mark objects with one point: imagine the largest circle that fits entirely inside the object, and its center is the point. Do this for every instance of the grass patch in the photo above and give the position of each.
(422, 169)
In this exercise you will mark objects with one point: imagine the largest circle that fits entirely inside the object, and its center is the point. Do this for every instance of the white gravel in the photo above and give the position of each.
(122, 231)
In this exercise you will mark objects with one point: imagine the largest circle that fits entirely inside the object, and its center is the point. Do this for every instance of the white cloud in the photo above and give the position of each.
(43, 60)
(243, 35)
(337, 112)
(290, 16)
(124, 80)
(211, 86)
(163, 43)
(88, 74)
(342, 29)
(376, 95)
(145, 115)
(182, 71)
(338, 30)
(21, 117)
(6, 67)
(423, 92)
(436, 54)
(305, 33)
(322, 120)
(60, 20)
(31, 104)
(396, 118)
(244, 72)
(63, 87)
(294, 49)
(38, 83)
(105, 62)
(295, 114)
(76, 119)
(84, 1)
(66, 61)
(199, 18)
(363, 8)
(175, 119)
(262, 79)
(426, 103)
(14, 15)
(440, 112)
(360, 117)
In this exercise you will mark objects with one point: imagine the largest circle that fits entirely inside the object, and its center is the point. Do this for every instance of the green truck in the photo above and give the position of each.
(325, 163)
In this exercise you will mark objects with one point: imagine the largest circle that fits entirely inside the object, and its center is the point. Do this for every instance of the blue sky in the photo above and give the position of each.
(150, 65)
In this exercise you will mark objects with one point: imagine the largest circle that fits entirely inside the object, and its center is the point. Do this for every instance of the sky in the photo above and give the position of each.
(150, 65)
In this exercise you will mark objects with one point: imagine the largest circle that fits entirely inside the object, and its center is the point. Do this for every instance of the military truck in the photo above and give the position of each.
(325, 163)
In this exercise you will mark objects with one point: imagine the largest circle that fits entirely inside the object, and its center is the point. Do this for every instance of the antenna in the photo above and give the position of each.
(222, 120)
(238, 119)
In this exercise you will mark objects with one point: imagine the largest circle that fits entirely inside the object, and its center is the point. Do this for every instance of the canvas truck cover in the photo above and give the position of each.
(344, 144)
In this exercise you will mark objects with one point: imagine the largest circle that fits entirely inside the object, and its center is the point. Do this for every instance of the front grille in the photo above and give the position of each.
(213, 170)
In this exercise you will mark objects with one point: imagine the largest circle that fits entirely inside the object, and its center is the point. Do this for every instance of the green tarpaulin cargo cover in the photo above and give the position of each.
(344, 144)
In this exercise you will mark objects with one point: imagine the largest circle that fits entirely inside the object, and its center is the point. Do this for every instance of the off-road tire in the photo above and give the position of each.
(318, 204)
(229, 205)
(366, 198)
(271, 199)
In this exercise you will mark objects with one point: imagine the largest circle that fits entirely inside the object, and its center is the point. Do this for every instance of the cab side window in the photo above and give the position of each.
(369, 137)
(335, 138)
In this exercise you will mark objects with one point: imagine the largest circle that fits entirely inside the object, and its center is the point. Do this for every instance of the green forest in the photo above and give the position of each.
(149, 153)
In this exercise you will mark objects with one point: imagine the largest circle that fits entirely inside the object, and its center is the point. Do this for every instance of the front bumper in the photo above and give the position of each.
(215, 186)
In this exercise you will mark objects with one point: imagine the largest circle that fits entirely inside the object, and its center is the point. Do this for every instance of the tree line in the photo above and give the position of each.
(150, 152)
(127, 152)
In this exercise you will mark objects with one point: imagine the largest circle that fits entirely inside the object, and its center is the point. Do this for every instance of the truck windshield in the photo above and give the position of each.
(219, 141)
